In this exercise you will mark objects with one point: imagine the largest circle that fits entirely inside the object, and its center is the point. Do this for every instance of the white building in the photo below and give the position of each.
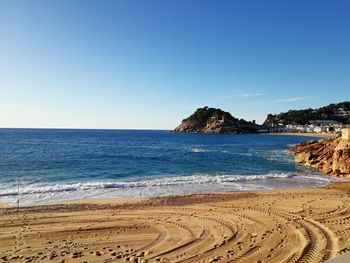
(319, 129)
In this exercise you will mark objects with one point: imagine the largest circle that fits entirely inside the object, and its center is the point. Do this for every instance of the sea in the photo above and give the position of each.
(50, 165)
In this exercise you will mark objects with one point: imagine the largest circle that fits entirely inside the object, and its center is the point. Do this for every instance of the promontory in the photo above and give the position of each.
(212, 120)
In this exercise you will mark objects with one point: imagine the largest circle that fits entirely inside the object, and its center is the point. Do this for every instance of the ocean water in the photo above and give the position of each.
(49, 165)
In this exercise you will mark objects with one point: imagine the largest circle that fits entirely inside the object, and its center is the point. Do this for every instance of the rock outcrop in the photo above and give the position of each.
(330, 156)
(211, 120)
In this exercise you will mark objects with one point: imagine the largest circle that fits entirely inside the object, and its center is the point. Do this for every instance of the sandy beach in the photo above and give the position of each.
(289, 225)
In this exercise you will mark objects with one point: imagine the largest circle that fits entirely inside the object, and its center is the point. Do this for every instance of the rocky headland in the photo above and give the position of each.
(211, 120)
(330, 156)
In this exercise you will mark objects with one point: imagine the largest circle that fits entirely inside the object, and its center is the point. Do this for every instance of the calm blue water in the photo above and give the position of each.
(57, 165)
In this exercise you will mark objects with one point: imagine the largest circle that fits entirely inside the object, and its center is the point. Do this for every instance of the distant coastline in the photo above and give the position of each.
(306, 134)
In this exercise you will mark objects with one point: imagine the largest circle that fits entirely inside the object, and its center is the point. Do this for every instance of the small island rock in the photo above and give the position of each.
(211, 120)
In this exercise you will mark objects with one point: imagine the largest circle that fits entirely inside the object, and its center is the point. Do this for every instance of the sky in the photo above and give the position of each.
(137, 64)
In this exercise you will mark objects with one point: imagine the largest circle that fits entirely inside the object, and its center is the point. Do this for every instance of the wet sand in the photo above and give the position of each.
(289, 225)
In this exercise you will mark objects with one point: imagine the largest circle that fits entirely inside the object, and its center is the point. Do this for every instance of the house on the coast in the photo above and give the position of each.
(317, 126)
(215, 120)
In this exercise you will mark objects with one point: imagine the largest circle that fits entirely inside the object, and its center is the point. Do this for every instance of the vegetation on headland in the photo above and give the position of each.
(202, 115)
(325, 119)
(336, 112)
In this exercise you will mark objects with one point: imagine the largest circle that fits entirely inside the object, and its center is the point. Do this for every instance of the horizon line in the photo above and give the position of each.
(75, 128)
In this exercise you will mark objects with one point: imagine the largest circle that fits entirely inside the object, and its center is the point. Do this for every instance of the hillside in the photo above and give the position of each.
(211, 120)
(337, 112)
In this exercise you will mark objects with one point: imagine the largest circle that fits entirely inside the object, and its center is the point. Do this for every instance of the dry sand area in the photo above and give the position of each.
(300, 225)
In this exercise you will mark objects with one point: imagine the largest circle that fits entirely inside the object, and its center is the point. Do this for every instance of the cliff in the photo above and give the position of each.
(331, 156)
(211, 120)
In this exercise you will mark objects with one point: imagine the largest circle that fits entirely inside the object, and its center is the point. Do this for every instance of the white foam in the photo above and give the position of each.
(198, 150)
(34, 192)
(34, 188)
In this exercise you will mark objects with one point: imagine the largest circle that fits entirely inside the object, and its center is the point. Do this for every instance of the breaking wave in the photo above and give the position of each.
(198, 150)
(42, 188)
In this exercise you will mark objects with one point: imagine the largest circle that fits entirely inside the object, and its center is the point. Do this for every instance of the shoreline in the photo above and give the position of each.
(276, 225)
(305, 134)
(103, 202)
(276, 182)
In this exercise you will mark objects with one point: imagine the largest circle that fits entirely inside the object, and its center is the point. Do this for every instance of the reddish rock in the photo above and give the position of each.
(330, 156)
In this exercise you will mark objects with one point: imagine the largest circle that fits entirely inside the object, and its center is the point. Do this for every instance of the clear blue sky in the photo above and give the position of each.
(148, 64)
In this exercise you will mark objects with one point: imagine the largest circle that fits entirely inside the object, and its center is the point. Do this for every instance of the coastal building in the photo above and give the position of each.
(301, 128)
(345, 134)
(324, 122)
(214, 121)
(310, 128)
(317, 126)
(341, 112)
(319, 129)
(337, 129)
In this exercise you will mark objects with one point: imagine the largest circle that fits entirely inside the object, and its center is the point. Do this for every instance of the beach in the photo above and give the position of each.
(282, 225)
(150, 131)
